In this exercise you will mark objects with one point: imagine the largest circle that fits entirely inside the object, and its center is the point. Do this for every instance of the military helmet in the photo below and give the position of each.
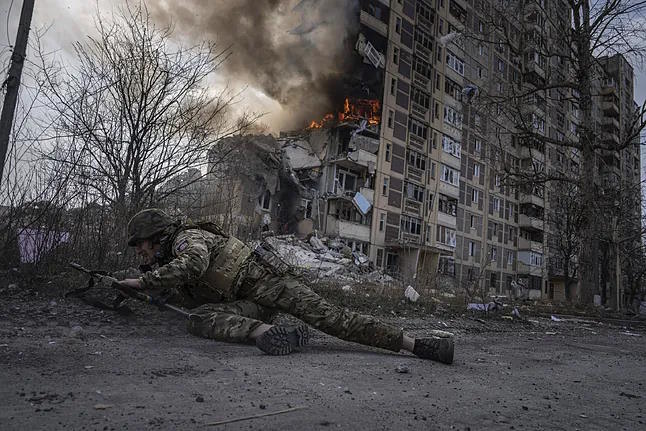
(146, 224)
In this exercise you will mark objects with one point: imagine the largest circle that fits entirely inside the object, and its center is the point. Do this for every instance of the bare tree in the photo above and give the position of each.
(136, 111)
(551, 59)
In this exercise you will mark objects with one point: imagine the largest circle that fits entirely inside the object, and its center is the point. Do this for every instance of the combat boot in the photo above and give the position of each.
(283, 339)
(438, 347)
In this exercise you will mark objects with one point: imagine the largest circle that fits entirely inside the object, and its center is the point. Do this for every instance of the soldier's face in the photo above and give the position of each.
(146, 250)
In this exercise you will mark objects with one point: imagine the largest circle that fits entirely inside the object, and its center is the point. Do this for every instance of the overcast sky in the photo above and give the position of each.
(65, 21)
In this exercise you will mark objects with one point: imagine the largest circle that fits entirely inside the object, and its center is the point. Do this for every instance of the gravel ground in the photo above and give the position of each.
(64, 365)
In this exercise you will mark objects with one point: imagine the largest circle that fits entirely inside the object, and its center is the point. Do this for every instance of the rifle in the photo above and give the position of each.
(102, 275)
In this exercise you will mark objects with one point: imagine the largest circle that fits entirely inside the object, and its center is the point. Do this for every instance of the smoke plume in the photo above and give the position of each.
(295, 52)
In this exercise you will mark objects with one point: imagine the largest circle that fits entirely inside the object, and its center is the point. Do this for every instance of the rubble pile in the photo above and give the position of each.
(326, 258)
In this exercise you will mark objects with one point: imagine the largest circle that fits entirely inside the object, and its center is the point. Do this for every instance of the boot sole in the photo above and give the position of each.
(282, 340)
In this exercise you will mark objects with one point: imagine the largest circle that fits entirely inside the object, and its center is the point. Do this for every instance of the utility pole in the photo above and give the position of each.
(13, 80)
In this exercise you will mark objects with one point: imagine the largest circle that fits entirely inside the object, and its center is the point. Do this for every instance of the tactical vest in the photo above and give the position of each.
(226, 262)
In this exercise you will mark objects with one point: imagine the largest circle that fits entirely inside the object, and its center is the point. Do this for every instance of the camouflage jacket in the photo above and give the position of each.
(202, 266)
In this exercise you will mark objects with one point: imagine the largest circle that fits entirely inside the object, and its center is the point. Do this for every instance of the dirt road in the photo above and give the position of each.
(64, 365)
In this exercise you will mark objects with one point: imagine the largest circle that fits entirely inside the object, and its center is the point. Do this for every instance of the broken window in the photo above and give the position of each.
(384, 190)
(451, 146)
(395, 55)
(391, 118)
(382, 222)
(447, 205)
(345, 181)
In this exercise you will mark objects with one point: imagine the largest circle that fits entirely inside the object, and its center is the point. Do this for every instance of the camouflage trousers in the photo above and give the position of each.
(262, 294)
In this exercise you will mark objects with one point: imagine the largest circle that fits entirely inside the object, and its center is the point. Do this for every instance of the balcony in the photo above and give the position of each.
(373, 23)
(446, 220)
(525, 153)
(450, 160)
(525, 269)
(448, 189)
(350, 230)
(422, 81)
(423, 52)
(419, 111)
(611, 138)
(609, 86)
(610, 122)
(414, 174)
(413, 207)
(525, 244)
(610, 106)
(353, 159)
(529, 198)
(525, 221)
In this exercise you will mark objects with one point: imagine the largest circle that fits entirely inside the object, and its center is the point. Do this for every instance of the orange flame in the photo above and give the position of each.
(357, 110)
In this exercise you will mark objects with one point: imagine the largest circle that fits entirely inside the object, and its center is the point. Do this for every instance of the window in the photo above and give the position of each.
(306, 204)
(388, 149)
(414, 192)
(411, 225)
(345, 181)
(417, 160)
(418, 128)
(477, 120)
(433, 170)
(382, 222)
(391, 118)
(446, 265)
(455, 63)
(452, 88)
(450, 175)
(510, 257)
(447, 205)
(472, 248)
(472, 221)
(393, 86)
(452, 117)
(384, 189)
(482, 50)
(380, 258)
(451, 146)
(476, 170)
(265, 200)
(496, 180)
(421, 98)
(446, 235)
(475, 195)
(398, 25)
(496, 203)
(477, 146)
(480, 72)
(494, 253)
(396, 55)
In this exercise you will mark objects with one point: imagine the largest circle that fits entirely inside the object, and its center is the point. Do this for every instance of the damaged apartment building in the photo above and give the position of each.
(402, 169)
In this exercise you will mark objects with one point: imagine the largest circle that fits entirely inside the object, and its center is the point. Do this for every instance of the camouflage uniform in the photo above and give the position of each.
(233, 292)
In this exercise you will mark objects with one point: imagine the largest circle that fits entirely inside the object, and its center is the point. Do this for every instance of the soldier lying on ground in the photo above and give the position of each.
(233, 292)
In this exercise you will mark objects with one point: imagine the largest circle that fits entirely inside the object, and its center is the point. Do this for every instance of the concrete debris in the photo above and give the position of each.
(76, 332)
(347, 288)
(327, 258)
(491, 306)
(556, 319)
(317, 244)
(411, 294)
(402, 369)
